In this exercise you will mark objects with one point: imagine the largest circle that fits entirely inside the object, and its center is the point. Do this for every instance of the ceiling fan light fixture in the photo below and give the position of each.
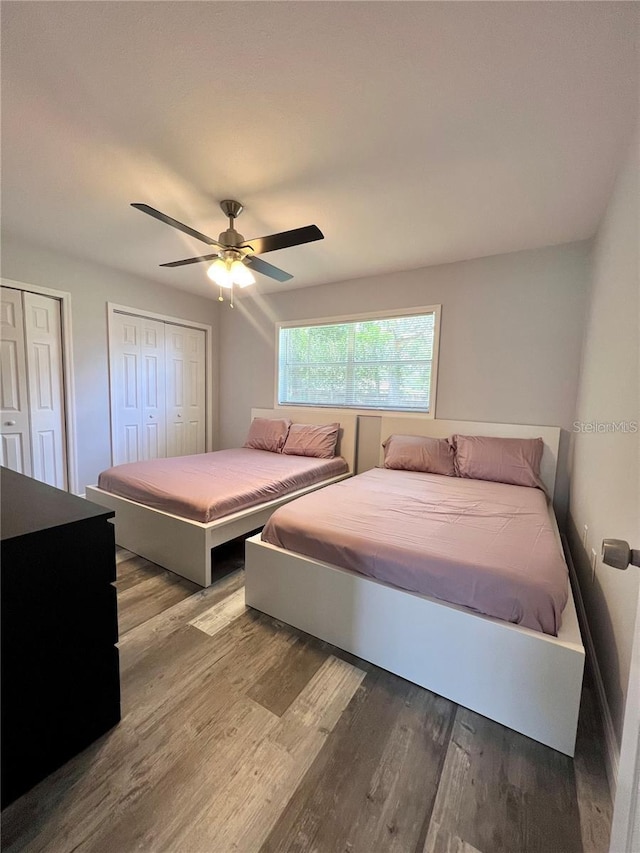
(220, 274)
(241, 274)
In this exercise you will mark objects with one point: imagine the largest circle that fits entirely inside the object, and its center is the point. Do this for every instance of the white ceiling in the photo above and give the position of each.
(411, 133)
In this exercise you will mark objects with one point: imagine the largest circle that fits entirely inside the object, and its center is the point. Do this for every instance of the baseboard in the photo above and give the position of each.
(612, 752)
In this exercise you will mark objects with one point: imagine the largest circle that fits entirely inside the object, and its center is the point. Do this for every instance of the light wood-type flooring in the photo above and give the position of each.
(241, 734)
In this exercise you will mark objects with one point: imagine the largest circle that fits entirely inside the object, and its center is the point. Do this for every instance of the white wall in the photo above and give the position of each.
(511, 335)
(91, 287)
(605, 469)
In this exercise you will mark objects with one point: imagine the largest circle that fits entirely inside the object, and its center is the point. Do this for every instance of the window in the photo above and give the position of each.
(368, 362)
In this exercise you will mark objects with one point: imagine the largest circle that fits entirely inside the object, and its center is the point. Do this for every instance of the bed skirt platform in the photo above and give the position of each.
(523, 679)
(179, 544)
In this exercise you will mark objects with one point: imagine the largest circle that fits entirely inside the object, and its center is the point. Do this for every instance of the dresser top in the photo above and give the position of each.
(28, 506)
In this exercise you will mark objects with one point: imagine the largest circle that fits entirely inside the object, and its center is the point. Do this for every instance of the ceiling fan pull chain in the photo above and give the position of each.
(221, 297)
(231, 296)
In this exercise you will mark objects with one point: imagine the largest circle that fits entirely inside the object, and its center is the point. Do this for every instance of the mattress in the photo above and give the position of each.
(209, 486)
(491, 547)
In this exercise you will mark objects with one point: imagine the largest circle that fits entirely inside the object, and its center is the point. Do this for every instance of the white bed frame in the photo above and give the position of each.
(526, 680)
(184, 546)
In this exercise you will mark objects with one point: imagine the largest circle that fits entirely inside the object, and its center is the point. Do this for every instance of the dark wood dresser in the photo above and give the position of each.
(60, 672)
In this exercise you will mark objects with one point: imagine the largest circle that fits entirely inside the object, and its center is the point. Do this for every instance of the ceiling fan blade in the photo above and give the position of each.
(190, 261)
(284, 239)
(263, 267)
(168, 220)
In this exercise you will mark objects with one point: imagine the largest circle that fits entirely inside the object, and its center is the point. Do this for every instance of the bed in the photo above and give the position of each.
(164, 533)
(518, 675)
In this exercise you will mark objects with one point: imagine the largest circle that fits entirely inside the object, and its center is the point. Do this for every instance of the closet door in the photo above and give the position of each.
(185, 372)
(43, 339)
(154, 430)
(137, 388)
(15, 444)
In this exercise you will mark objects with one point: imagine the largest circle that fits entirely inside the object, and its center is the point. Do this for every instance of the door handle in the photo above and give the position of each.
(9, 423)
(616, 553)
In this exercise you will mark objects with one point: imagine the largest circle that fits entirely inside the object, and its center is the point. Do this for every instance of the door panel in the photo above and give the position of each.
(130, 377)
(125, 400)
(153, 389)
(138, 391)
(131, 444)
(15, 447)
(177, 445)
(42, 368)
(14, 454)
(43, 337)
(152, 441)
(12, 393)
(46, 460)
(195, 434)
(186, 389)
(177, 381)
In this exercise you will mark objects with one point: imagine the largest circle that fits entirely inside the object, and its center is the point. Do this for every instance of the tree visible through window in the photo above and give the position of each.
(380, 363)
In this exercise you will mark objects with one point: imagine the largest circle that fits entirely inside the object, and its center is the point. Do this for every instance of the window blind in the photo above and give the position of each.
(380, 363)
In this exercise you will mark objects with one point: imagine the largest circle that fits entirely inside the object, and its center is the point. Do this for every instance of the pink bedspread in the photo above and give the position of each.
(488, 546)
(208, 486)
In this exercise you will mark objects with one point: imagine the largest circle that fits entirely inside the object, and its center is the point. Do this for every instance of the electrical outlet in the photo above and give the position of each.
(594, 560)
(584, 536)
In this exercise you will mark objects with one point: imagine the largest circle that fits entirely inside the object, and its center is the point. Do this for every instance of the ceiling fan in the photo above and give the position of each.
(235, 257)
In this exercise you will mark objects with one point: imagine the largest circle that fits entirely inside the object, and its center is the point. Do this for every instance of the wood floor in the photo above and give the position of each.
(242, 734)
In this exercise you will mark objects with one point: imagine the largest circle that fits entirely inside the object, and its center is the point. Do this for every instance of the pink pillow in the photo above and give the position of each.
(312, 440)
(502, 460)
(268, 434)
(419, 453)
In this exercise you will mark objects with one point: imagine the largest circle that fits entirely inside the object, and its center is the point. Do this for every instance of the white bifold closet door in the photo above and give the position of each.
(157, 389)
(137, 388)
(32, 399)
(185, 360)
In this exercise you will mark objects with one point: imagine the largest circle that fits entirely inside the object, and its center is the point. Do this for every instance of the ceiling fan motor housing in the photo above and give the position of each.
(230, 237)
(231, 210)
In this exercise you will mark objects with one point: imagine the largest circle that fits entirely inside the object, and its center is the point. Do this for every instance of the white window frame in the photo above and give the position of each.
(436, 310)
